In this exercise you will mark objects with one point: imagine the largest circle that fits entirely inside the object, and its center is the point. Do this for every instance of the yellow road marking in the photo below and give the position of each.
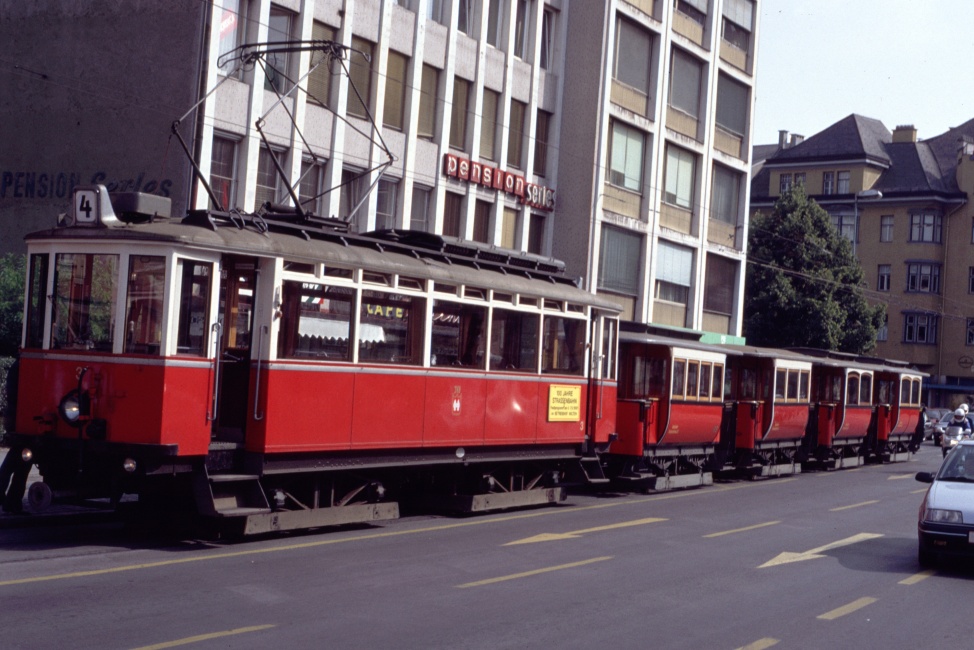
(854, 505)
(786, 557)
(743, 530)
(846, 609)
(897, 477)
(205, 637)
(550, 537)
(528, 574)
(760, 644)
(716, 490)
(917, 577)
(920, 491)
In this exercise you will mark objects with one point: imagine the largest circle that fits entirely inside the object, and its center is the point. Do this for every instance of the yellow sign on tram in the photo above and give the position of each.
(564, 403)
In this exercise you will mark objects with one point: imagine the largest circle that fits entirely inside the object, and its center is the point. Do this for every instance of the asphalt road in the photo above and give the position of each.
(821, 560)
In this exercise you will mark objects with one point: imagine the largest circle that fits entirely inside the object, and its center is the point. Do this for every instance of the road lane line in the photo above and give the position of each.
(920, 491)
(205, 637)
(898, 477)
(847, 609)
(917, 577)
(743, 530)
(528, 574)
(854, 505)
(760, 644)
(575, 534)
(716, 490)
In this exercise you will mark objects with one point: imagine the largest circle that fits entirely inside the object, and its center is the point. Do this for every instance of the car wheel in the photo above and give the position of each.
(926, 558)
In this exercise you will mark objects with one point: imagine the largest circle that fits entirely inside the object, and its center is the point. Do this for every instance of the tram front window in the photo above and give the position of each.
(84, 301)
(36, 300)
(143, 309)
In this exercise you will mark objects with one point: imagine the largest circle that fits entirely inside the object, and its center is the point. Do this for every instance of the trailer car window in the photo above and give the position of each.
(718, 382)
(679, 378)
(35, 300)
(705, 370)
(648, 378)
(459, 333)
(866, 389)
(853, 389)
(84, 301)
(392, 328)
(781, 378)
(194, 307)
(564, 346)
(803, 386)
(316, 322)
(793, 385)
(514, 341)
(693, 378)
(143, 307)
(915, 397)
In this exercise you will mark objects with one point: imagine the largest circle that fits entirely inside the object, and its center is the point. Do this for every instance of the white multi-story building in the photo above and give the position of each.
(613, 135)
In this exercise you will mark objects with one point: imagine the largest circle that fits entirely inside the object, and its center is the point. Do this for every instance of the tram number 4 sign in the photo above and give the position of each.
(564, 403)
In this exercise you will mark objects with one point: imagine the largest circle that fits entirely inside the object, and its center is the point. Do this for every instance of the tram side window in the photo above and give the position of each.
(792, 385)
(84, 301)
(915, 392)
(609, 347)
(693, 378)
(852, 389)
(780, 380)
(718, 382)
(459, 335)
(679, 378)
(391, 328)
(514, 341)
(884, 392)
(866, 389)
(647, 378)
(749, 384)
(143, 307)
(803, 382)
(564, 346)
(36, 300)
(705, 372)
(194, 307)
(316, 322)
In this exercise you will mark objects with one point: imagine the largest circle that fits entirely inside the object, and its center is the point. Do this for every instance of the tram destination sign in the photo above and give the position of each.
(530, 194)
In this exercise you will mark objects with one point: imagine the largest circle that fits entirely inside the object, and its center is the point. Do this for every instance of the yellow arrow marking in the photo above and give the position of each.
(854, 505)
(205, 637)
(551, 537)
(786, 557)
(846, 609)
(527, 574)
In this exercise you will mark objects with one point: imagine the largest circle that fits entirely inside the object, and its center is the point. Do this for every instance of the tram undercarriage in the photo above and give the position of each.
(660, 470)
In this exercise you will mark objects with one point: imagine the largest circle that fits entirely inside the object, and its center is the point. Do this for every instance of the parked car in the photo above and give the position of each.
(945, 525)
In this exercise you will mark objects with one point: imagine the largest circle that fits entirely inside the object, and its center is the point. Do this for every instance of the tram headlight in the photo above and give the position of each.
(73, 406)
(129, 465)
(26, 455)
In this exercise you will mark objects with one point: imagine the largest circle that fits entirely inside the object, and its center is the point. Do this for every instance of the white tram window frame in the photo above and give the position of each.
(174, 302)
(551, 366)
(804, 382)
(852, 388)
(679, 384)
(468, 323)
(121, 262)
(866, 388)
(692, 390)
(780, 382)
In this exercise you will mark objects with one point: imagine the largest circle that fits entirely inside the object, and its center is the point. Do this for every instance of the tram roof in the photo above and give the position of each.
(421, 255)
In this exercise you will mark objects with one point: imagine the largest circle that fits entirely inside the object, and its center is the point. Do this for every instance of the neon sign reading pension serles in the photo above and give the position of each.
(530, 194)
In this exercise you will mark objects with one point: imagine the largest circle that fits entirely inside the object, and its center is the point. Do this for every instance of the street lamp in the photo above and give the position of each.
(866, 195)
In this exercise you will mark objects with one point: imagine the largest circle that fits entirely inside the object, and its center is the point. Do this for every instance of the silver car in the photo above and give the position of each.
(945, 526)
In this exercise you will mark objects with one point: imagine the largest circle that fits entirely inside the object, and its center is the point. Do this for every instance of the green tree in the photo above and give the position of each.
(804, 284)
(12, 273)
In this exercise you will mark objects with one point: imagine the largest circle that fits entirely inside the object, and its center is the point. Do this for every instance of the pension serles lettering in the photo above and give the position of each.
(530, 194)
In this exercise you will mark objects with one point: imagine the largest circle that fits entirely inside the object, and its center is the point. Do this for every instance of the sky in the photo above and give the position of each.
(898, 61)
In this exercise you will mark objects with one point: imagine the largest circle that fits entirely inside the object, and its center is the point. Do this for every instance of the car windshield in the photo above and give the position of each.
(958, 466)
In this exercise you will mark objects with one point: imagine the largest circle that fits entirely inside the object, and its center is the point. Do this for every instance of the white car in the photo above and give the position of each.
(945, 526)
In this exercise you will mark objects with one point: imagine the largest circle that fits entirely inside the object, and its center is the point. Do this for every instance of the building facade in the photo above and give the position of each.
(613, 135)
(904, 205)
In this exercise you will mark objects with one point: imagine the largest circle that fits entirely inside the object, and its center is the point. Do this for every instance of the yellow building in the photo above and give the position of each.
(904, 205)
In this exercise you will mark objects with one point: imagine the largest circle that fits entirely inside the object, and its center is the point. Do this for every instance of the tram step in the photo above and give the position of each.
(592, 467)
(232, 478)
(230, 495)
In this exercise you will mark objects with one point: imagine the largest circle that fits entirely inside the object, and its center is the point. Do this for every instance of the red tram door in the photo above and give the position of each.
(238, 281)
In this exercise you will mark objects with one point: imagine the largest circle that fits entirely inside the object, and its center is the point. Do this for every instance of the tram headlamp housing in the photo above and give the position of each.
(129, 465)
(26, 455)
(73, 407)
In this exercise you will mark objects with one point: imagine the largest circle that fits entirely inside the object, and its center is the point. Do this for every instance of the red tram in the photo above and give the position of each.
(280, 372)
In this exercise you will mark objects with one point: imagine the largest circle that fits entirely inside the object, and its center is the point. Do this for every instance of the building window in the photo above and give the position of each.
(516, 131)
(311, 189)
(970, 331)
(843, 182)
(737, 21)
(846, 225)
(923, 277)
(509, 227)
(800, 179)
(732, 105)
(495, 22)
(354, 183)
(392, 111)
(420, 210)
(521, 15)
(427, 103)
(784, 183)
(488, 126)
(465, 18)
(674, 273)
(970, 279)
(360, 78)
(547, 38)
(882, 334)
(222, 172)
(680, 172)
(721, 276)
(232, 22)
(268, 180)
(626, 157)
(458, 117)
(695, 10)
(685, 75)
(725, 201)
(886, 228)
(926, 228)
(828, 182)
(536, 233)
(883, 277)
(541, 142)
(452, 210)
(275, 70)
(387, 195)
(319, 81)
(920, 328)
(633, 51)
(434, 10)
(620, 260)
(481, 221)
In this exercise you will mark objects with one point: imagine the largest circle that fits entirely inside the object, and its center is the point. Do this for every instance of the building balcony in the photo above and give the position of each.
(729, 143)
(686, 26)
(631, 99)
(682, 123)
(734, 55)
(676, 218)
(622, 201)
